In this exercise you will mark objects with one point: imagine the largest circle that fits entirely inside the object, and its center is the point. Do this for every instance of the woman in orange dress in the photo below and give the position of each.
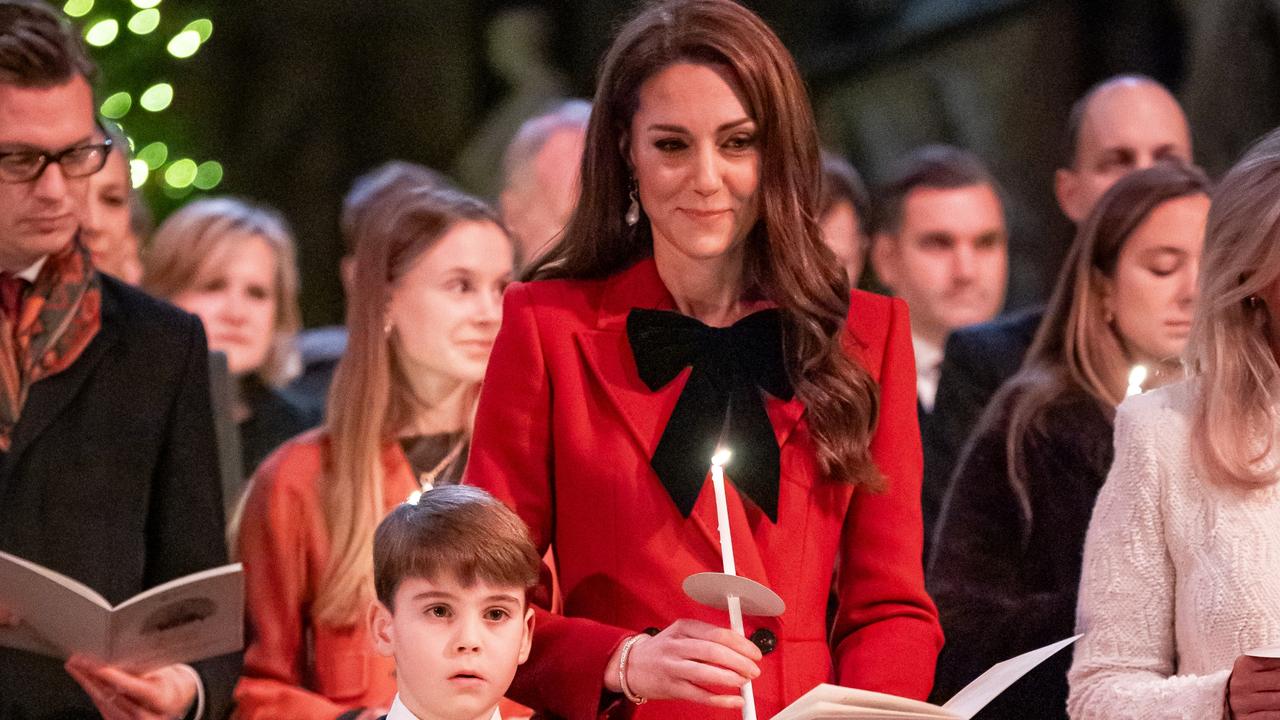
(430, 265)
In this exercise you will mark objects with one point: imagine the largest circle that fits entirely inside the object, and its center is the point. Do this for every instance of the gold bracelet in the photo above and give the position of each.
(622, 669)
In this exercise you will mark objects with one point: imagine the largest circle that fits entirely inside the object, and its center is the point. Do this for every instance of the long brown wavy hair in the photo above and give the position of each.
(786, 260)
(371, 398)
(1076, 348)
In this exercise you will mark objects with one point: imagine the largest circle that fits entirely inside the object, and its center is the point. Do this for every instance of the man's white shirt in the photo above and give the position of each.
(928, 370)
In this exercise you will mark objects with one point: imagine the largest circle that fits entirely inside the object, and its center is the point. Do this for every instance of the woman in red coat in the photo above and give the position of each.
(691, 302)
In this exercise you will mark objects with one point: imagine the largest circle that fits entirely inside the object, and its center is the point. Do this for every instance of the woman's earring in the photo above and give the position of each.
(633, 211)
(1252, 302)
(386, 329)
(1108, 317)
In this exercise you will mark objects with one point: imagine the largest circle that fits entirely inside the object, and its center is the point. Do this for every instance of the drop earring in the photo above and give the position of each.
(633, 210)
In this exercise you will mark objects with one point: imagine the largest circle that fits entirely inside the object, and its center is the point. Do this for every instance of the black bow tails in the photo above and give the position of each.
(720, 405)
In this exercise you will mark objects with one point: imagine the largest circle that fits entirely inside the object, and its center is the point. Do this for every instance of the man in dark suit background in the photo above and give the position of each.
(941, 245)
(108, 467)
(1122, 124)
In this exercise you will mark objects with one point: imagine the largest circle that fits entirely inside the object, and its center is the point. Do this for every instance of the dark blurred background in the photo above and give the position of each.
(286, 102)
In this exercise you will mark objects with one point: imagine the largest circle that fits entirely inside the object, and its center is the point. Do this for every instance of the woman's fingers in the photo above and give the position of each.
(719, 635)
(712, 653)
(694, 693)
(712, 677)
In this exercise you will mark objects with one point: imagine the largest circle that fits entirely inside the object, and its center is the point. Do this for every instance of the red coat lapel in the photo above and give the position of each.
(606, 353)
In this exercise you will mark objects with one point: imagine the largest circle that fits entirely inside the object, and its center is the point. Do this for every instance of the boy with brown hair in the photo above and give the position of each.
(452, 575)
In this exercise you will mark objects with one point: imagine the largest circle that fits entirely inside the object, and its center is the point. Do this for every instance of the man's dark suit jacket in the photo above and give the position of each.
(112, 479)
(975, 363)
(934, 449)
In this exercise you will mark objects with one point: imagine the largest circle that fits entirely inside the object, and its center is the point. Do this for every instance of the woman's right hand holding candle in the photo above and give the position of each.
(689, 660)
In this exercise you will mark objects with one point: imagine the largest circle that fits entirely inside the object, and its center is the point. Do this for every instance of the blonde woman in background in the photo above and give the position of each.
(1181, 570)
(428, 271)
(231, 263)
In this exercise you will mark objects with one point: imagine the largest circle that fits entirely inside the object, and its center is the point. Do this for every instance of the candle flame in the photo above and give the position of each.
(1137, 376)
(721, 457)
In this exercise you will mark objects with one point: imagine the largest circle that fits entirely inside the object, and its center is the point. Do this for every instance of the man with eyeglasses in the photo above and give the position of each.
(108, 467)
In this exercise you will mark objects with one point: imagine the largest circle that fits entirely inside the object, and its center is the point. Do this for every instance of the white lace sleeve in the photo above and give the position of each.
(1124, 665)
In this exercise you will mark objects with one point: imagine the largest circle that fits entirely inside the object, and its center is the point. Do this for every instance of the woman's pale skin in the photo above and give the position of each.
(1152, 293)
(694, 151)
(444, 313)
(235, 294)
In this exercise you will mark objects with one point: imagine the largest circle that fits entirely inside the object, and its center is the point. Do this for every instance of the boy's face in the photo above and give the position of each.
(456, 648)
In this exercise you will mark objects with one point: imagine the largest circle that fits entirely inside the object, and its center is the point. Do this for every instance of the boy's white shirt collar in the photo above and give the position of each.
(400, 712)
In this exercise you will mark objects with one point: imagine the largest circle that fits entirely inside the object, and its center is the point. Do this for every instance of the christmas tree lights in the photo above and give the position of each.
(142, 47)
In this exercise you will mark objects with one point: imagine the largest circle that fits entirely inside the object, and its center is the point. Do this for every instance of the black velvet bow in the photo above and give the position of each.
(720, 406)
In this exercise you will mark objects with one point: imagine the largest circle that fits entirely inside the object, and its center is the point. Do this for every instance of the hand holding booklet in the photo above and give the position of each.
(832, 702)
(184, 620)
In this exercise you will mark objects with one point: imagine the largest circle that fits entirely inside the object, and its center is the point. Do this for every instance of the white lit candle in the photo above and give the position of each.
(1137, 376)
(726, 557)
(722, 510)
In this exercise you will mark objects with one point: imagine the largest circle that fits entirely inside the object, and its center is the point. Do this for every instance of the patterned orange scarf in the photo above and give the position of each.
(60, 315)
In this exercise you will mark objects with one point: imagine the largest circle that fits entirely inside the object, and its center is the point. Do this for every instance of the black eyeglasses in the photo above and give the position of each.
(80, 161)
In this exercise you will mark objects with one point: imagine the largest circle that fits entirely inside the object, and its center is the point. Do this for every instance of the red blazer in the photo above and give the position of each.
(564, 433)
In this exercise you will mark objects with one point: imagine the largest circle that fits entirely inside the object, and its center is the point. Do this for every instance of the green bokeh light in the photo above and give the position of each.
(208, 175)
(202, 27)
(184, 44)
(154, 155)
(164, 165)
(117, 106)
(77, 8)
(157, 97)
(138, 173)
(102, 33)
(144, 21)
(181, 173)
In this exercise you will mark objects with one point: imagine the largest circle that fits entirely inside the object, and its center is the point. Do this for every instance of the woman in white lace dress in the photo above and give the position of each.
(1182, 560)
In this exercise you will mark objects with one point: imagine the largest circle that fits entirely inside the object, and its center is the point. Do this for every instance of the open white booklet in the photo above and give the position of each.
(831, 702)
(191, 618)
